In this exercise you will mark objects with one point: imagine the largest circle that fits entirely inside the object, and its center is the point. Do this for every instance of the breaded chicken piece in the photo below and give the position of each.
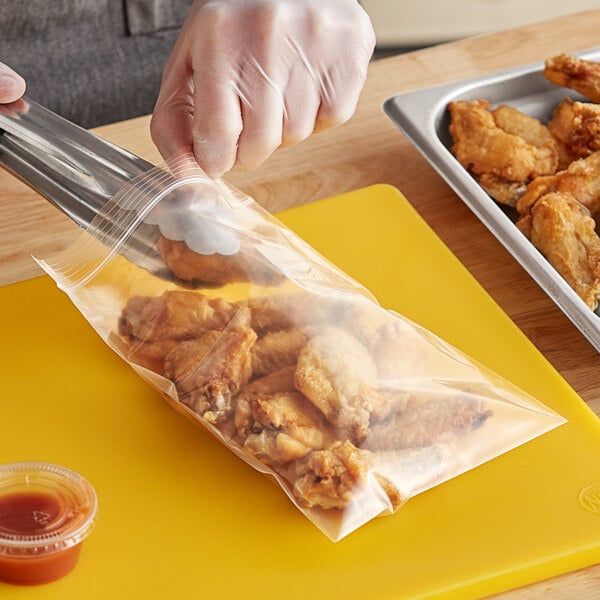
(153, 326)
(428, 418)
(330, 478)
(333, 477)
(283, 311)
(576, 128)
(277, 350)
(578, 74)
(580, 180)
(273, 383)
(501, 161)
(399, 352)
(563, 230)
(149, 354)
(276, 423)
(211, 369)
(280, 427)
(220, 269)
(175, 315)
(338, 375)
(358, 315)
(513, 121)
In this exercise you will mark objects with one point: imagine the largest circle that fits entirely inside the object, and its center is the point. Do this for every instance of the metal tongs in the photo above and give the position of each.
(78, 172)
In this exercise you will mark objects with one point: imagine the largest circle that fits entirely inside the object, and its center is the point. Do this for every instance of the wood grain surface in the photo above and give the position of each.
(368, 150)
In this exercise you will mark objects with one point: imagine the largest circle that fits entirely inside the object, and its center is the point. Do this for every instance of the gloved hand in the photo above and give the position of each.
(248, 76)
(12, 85)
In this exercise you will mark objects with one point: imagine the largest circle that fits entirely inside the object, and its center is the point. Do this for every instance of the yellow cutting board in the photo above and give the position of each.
(182, 517)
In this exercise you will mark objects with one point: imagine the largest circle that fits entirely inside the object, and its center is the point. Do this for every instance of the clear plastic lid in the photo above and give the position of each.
(44, 509)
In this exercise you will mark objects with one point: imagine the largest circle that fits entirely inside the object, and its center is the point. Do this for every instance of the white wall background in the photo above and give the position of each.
(424, 22)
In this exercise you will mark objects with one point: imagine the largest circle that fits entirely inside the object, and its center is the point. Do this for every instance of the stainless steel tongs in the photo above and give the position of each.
(78, 172)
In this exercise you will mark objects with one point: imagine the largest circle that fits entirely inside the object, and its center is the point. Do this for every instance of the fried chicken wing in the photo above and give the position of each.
(428, 418)
(246, 265)
(514, 122)
(280, 427)
(563, 230)
(399, 352)
(338, 375)
(284, 311)
(210, 370)
(277, 350)
(502, 161)
(576, 128)
(333, 477)
(329, 478)
(154, 325)
(176, 315)
(273, 383)
(580, 181)
(575, 73)
(149, 354)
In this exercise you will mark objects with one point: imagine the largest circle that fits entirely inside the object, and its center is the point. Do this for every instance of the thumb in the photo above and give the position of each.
(12, 85)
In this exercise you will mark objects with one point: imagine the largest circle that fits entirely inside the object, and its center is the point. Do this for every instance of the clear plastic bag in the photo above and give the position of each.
(292, 364)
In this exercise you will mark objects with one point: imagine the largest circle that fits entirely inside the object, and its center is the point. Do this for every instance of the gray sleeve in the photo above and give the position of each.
(148, 16)
(91, 61)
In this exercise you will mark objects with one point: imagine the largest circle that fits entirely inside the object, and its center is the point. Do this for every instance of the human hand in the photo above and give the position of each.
(12, 85)
(248, 76)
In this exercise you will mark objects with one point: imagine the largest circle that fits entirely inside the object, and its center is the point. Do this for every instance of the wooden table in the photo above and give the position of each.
(367, 150)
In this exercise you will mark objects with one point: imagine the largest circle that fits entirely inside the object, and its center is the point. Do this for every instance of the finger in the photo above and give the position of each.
(12, 85)
(217, 123)
(339, 98)
(170, 126)
(263, 115)
(302, 105)
(342, 82)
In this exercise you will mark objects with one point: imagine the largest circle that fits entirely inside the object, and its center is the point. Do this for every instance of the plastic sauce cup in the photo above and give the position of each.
(46, 511)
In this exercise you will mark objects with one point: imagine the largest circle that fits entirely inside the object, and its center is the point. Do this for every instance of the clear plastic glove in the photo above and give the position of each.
(248, 76)
(12, 85)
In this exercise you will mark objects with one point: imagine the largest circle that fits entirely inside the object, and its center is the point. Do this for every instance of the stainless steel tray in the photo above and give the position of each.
(423, 117)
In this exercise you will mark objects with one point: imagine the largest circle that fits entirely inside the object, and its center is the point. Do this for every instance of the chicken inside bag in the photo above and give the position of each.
(353, 409)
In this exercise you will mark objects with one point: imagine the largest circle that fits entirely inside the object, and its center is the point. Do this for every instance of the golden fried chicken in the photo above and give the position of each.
(281, 380)
(356, 314)
(149, 354)
(283, 311)
(338, 375)
(580, 181)
(514, 122)
(501, 190)
(330, 478)
(280, 426)
(154, 325)
(576, 128)
(175, 315)
(399, 352)
(428, 418)
(333, 477)
(563, 230)
(210, 370)
(277, 350)
(245, 265)
(502, 161)
(578, 74)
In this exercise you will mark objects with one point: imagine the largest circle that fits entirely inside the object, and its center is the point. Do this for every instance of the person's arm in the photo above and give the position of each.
(12, 85)
(248, 76)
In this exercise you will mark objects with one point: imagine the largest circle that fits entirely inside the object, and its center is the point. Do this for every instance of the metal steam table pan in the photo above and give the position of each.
(423, 117)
